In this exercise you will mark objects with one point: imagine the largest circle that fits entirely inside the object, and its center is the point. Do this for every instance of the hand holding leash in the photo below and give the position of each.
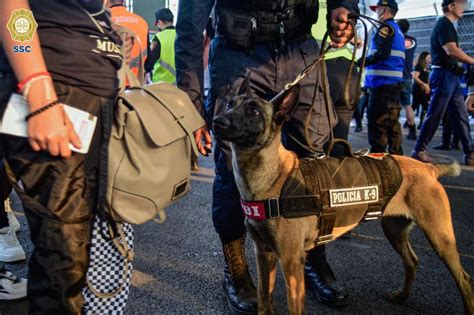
(340, 30)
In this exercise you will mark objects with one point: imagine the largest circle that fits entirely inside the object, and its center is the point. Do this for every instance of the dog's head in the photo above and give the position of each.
(251, 122)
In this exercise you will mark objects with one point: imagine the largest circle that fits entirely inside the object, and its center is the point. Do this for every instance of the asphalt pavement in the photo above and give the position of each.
(178, 264)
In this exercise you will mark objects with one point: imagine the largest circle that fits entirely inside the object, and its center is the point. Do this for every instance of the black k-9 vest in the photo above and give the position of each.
(340, 191)
(246, 23)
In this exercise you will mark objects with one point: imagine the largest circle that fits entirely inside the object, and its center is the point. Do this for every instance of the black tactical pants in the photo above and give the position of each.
(337, 70)
(60, 197)
(383, 115)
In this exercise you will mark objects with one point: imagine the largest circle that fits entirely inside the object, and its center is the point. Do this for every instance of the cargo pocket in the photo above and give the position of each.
(240, 29)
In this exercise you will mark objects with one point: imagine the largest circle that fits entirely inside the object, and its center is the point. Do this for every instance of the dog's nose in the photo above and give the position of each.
(221, 122)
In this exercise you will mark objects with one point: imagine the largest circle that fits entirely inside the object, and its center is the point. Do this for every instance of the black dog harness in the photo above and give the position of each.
(340, 191)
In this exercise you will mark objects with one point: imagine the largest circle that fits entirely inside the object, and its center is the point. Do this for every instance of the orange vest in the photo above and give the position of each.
(136, 23)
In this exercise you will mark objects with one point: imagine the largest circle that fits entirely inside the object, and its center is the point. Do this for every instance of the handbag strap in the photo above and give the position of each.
(121, 244)
(178, 118)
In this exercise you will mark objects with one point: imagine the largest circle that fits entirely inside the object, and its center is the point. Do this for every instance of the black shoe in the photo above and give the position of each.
(442, 146)
(326, 291)
(411, 133)
(321, 281)
(358, 129)
(405, 125)
(455, 146)
(469, 159)
(422, 156)
(238, 287)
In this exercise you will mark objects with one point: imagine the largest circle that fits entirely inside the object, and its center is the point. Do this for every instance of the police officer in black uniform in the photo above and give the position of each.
(384, 79)
(271, 40)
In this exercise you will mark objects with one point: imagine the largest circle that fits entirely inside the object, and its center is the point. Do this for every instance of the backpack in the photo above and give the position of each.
(150, 150)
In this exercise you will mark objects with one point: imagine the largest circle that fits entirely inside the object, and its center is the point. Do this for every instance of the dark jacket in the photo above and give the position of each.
(192, 20)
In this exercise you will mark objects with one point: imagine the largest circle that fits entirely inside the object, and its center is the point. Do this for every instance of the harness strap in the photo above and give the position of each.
(328, 214)
(287, 207)
(373, 209)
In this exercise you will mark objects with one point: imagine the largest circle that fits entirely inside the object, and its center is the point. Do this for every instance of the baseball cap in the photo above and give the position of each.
(164, 14)
(386, 3)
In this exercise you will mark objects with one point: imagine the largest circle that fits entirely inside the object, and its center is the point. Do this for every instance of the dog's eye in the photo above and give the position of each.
(229, 105)
(253, 111)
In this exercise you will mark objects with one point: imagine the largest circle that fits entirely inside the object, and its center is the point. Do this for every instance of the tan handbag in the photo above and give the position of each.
(150, 150)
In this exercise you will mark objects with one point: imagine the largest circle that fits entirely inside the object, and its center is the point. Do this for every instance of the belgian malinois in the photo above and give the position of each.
(261, 165)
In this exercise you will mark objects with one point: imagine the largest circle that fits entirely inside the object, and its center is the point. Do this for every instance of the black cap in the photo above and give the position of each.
(448, 2)
(164, 14)
(385, 3)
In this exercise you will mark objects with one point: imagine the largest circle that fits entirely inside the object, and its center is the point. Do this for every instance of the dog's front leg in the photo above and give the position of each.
(293, 267)
(266, 266)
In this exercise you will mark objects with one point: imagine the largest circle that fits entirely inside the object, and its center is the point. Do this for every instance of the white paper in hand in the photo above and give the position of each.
(13, 121)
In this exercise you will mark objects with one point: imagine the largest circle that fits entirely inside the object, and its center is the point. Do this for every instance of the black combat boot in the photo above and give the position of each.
(320, 279)
(411, 132)
(238, 287)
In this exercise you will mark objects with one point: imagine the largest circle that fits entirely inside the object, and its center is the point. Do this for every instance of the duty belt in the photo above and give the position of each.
(339, 191)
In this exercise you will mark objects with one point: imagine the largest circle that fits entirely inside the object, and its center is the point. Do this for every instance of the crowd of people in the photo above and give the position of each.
(62, 191)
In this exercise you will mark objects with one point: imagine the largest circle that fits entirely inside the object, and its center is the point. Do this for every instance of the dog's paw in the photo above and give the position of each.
(399, 296)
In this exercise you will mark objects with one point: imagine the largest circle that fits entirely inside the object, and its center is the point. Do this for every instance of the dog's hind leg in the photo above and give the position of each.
(293, 268)
(397, 229)
(266, 267)
(438, 228)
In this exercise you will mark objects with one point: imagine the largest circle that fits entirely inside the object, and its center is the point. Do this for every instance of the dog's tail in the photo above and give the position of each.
(448, 169)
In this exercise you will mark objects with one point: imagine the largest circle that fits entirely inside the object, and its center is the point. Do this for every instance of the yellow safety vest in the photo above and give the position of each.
(164, 68)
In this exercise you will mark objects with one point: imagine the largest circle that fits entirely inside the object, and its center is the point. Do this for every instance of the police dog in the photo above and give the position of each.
(261, 165)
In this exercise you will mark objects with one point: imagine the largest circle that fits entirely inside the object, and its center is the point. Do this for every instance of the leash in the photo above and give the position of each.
(348, 86)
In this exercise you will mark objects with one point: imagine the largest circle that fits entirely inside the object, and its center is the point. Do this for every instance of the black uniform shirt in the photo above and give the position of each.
(78, 44)
(443, 32)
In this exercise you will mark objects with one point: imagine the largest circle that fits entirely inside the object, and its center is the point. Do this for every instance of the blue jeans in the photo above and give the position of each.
(446, 94)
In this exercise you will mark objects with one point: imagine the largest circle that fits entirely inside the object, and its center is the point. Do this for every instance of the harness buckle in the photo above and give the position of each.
(274, 208)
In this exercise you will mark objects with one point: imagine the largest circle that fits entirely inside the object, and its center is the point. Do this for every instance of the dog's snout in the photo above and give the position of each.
(221, 122)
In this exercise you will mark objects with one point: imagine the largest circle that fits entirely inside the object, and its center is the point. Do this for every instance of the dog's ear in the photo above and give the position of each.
(285, 103)
(245, 86)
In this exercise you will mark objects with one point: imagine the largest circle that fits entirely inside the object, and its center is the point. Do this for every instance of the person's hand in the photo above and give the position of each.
(52, 131)
(203, 140)
(340, 30)
(470, 103)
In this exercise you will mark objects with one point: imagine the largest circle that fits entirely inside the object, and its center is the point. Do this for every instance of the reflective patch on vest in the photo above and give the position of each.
(353, 196)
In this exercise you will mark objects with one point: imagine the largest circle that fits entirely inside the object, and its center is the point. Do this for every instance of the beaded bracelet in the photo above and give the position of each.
(42, 109)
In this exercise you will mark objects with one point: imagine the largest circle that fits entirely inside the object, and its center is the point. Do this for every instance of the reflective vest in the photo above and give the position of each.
(164, 68)
(136, 23)
(390, 70)
(319, 29)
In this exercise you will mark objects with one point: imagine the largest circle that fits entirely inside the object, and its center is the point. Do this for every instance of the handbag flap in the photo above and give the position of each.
(164, 110)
